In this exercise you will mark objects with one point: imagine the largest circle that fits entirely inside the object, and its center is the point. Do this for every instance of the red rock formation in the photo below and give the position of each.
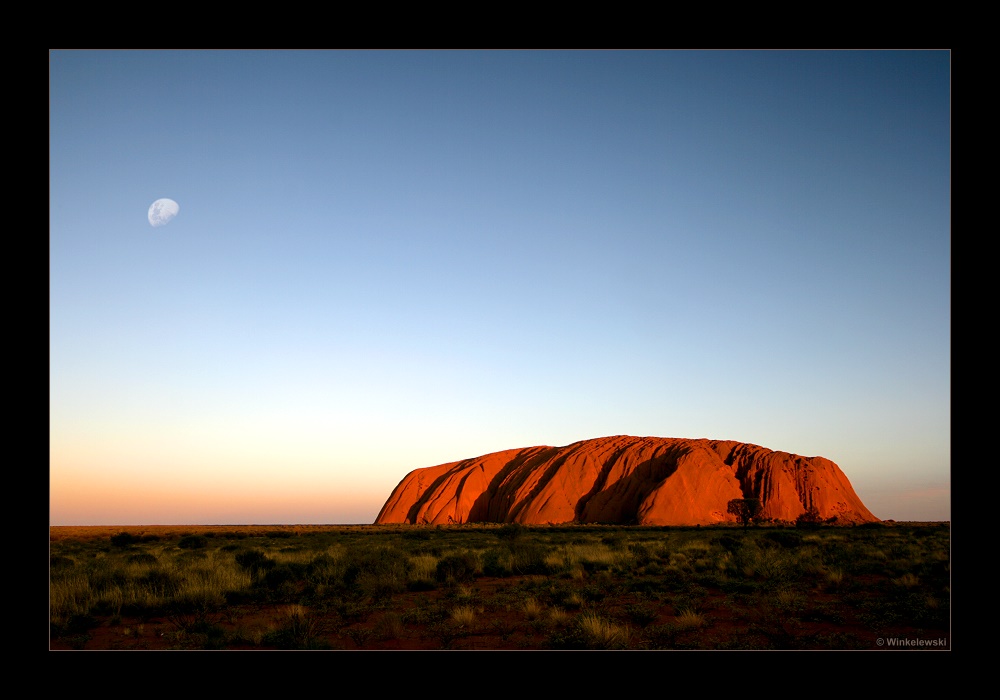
(624, 479)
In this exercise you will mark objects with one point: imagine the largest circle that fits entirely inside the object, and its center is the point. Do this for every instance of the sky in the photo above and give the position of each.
(386, 260)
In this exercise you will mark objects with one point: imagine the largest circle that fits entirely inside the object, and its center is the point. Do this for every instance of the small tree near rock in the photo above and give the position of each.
(746, 510)
(810, 520)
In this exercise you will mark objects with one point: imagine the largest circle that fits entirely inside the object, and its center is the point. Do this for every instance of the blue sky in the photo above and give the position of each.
(390, 260)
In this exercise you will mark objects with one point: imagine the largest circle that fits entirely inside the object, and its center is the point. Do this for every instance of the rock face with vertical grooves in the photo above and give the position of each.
(624, 480)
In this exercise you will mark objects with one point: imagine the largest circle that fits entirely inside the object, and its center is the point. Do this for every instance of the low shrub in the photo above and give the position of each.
(730, 544)
(141, 558)
(808, 522)
(389, 626)
(528, 558)
(642, 614)
(378, 572)
(420, 584)
(57, 563)
(301, 630)
(255, 561)
(162, 584)
(497, 561)
(511, 532)
(456, 568)
(78, 624)
(123, 539)
(279, 575)
(786, 538)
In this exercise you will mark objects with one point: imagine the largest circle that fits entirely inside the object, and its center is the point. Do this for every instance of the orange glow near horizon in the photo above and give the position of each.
(115, 497)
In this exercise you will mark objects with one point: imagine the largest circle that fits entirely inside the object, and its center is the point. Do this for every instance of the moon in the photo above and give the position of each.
(162, 211)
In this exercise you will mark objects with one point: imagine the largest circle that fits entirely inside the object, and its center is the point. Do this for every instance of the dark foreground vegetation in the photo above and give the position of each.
(881, 586)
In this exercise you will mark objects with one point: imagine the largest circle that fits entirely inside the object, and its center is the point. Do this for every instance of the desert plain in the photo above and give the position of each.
(773, 586)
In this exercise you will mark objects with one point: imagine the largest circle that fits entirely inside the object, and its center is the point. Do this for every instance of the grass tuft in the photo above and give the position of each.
(464, 615)
(689, 619)
(599, 633)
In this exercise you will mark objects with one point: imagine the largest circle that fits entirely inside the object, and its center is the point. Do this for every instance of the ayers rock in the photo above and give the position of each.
(626, 480)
